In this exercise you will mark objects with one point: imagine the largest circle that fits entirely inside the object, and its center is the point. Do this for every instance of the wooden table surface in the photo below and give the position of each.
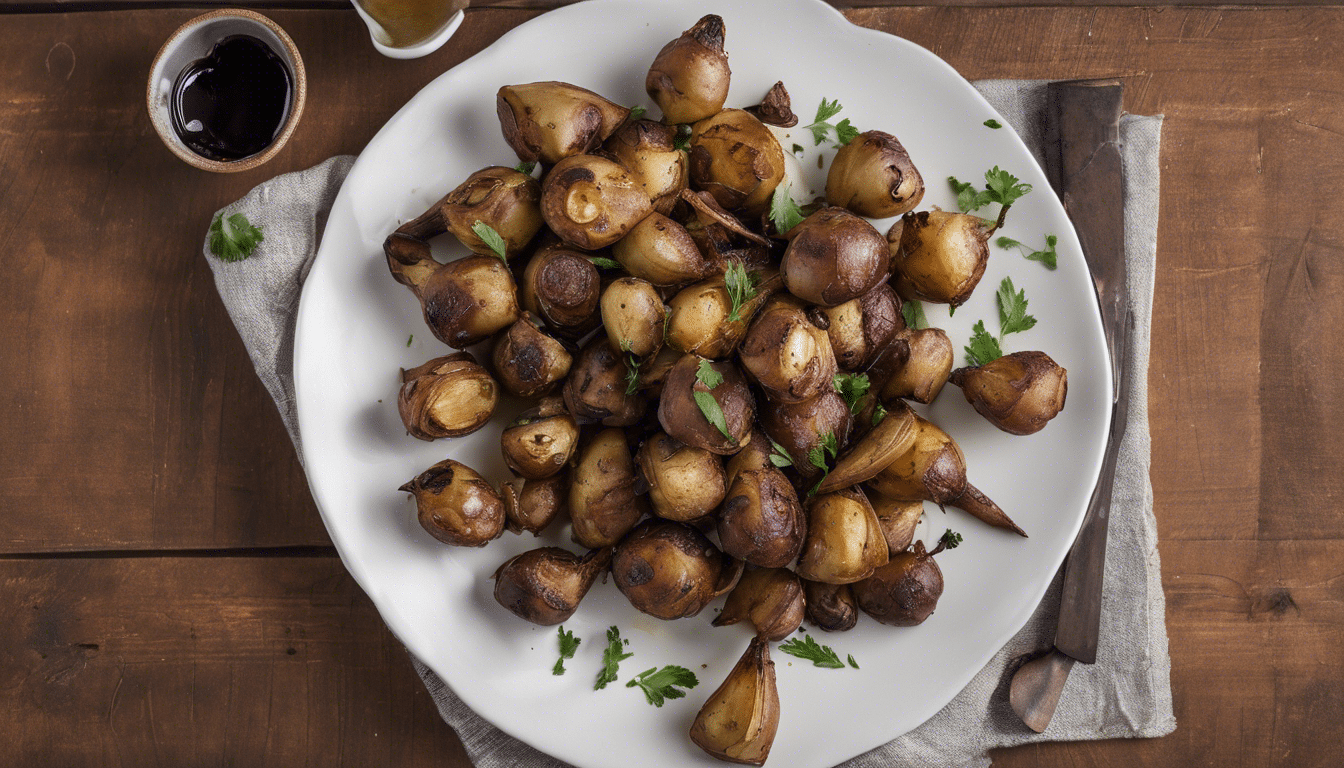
(172, 599)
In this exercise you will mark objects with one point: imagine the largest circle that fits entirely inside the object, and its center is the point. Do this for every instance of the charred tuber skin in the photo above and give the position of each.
(544, 586)
(456, 505)
(1018, 393)
(448, 396)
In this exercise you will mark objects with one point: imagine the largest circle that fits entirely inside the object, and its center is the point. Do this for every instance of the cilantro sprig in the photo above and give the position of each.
(491, 239)
(852, 387)
(525, 167)
(1046, 256)
(711, 378)
(817, 458)
(808, 649)
(1001, 187)
(821, 127)
(662, 684)
(741, 287)
(612, 656)
(784, 212)
(913, 312)
(568, 645)
(950, 539)
(992, 123)
(778, 456)
(602, 262)
(233, 238)
(984, 347)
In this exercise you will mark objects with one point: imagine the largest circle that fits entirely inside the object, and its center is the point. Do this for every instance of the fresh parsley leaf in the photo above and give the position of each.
(662, 684)
(968, 199)
(602, 262)
(992, 123)
(631, 369)
(784, 212)
(234, 238)
(808, 649)
(1013, 317)
(845, 133)
(913, 312)
(612, 656)
(568, 645)
(852, 662)
(821, 127)
(706, 374)
(1046, 256)
(741, 286)
(525, 168)
(817, 457)
(778, 456)
(1004, 187)
(409, 339)
(713, 413)
(636, 113)
(879, 413)
(491, 238)
(852, 387)
(798, 149)
(983, 347)
(951, 309)
(1008, 242)
(950, 539)
(682, 140)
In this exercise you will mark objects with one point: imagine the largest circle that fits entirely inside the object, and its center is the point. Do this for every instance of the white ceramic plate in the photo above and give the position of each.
(354, 323)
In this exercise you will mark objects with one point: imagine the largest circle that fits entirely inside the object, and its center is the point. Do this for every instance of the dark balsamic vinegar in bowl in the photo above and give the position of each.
(232, 103)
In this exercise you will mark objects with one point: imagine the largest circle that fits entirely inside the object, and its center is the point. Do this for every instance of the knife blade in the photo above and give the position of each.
(1085, 168)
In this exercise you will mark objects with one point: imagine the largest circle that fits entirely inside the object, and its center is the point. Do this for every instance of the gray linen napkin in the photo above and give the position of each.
(1127, 693)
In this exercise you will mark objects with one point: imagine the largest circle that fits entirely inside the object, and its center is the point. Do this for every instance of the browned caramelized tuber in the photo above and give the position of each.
(721, 236)
(738, 721)
(844, 539)
(799, 427)
(544, 586)
(898, 520)
(648, 151)
(604, 502)
(873, 452)
(921, 361)
(562, 286)
(699, 316)
(533, 507)
(683, 418)
(776, 108)
(661, 251)
(834, 257)
(788, 355)
(456, 505)
(830, 606)
(1018, 393)
(591, 202)
(735, 158)
(934, 469)
(550, 121)
(528, 362)
(596, 387)
(770, 598)
(939, 256)
(689, 77)
(874, 177)
(505, 199)
(446, 397)
(860, 329)
(905, 591)
(634, 316)
(685, 482)
(761, 520)
(670, 570)
(540, 442)
(465, 301)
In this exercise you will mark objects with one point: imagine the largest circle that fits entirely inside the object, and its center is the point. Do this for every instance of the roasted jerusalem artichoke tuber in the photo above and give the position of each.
(1018, 393)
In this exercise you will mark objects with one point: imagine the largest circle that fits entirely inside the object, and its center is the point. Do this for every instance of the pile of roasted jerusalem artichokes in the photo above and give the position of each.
(685, 356)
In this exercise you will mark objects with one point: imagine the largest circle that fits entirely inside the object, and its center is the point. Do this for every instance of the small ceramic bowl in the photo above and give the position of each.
(193, 41)
(422, 48)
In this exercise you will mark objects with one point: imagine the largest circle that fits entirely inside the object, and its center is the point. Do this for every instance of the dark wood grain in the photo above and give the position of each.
(132, 419)
(66, 6)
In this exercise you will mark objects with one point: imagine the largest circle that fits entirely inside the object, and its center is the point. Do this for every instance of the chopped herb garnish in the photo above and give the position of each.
(706, 374)
(992, 123)
(631, 368)
(525, 167)
(636, 113)
(798, 149)
(1013, 318)
(913, 312)
(852, 662)
(852, 387)
(879, 413)
(491, 238)
(409, 339)
(950, 539)
(817, 458)
(602, 262)
(1001, 187)
(821, 127)
(741, 286)
(713, 413)
(1046, 256)
(784, 212)
(233, 238)
(808, 649)
(778, 456)
(612, 656)
(568, 645)
(662, 684)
